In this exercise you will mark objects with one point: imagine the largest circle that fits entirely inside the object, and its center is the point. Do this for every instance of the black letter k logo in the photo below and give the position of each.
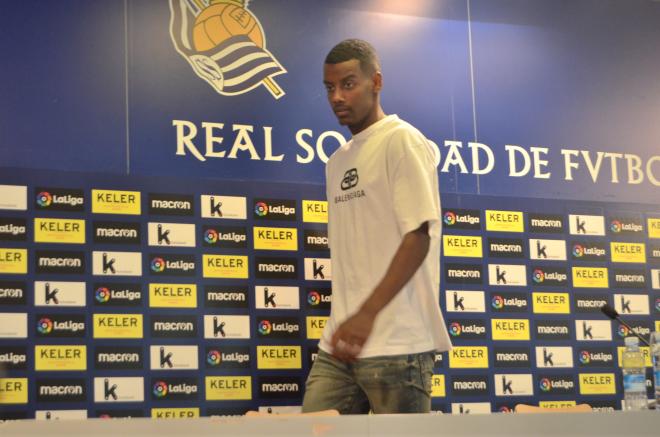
(51, 295)
(501, 276)
(109, 391)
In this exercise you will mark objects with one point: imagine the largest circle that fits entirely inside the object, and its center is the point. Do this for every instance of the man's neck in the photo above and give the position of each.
(374, 117)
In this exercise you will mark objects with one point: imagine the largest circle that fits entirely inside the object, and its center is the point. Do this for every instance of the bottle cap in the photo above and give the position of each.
(631, 341)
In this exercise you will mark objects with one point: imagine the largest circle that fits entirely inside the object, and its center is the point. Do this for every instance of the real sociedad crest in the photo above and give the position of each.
(225, 45)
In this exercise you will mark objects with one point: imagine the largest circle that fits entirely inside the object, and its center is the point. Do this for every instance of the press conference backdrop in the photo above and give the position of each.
(162, 213)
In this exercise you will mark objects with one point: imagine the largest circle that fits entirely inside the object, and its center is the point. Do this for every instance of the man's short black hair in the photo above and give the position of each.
(355, 49)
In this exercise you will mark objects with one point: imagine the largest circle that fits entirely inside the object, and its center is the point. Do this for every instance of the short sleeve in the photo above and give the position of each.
(413, 177)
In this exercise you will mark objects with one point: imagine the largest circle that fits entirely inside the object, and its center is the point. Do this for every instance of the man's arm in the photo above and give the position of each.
(351, 335)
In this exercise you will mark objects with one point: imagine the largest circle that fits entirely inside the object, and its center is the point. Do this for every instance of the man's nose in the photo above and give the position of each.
(336, 96)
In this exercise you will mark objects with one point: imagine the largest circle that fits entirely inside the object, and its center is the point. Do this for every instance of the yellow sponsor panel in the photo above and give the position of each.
(222, 388)
(175, 413)
(13, 390)
(657, 325)
(597, 384)
(628, 252)
(315, 327)
(556, 404)
(654, 227)
(279, 357)
(275, 238)
(173, 295)
(551, 303)
(590, 277)
(13, 261)
(226, 266)
(315, 211)
(504, 221)
(118, 326)
(438, 386)
(51, 230)
(468, 357)
(462, 245)
(645, 350)
(66, 357)
(510, 329)
(116, 202)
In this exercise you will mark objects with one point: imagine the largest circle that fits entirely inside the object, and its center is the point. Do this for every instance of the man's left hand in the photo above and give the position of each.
(351, 335)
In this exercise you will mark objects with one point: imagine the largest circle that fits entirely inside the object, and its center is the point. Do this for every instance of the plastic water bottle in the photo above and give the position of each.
(655, 356)
(634, 376)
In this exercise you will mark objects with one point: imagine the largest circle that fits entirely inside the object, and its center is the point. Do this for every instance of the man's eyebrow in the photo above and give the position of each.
(349, 76)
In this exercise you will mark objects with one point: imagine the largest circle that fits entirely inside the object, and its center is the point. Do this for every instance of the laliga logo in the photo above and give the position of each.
(657, 304)
(455, 329)
(160, 389)
(214, 358)
(615, 226)
(265, 327)
(538, 276)
(261, 209)
(44, 199)
(449, 218)
(505, 409)
(585, 358)
(314, 298)
(45, 326)
(623, 331)
(211, 236)
(544, 384)
(102, 295)
(578, 251)
(158, 265)
(225, 45)
(497, 302)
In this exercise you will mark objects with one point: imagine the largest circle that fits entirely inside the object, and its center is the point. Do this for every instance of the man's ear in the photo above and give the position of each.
(377, 79)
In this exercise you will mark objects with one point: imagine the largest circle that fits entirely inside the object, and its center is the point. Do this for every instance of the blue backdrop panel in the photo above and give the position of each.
(519, 318)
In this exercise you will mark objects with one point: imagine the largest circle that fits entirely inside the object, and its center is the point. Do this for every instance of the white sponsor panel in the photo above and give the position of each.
(507, 275)
(465, 301)
(13, 325)
(318, 269)
(116, 263)
(118, 389)
(635, 304)
(548, 250)
(64, 294)
(60, 414)
(224, 207)
(470, 408)
(171, 234)
(273, 297)
(168, 357)
(593, 330)
(655, 279)
(13, 197)
(586, 224)
(513, 384)
(222, 326)
(554, 356)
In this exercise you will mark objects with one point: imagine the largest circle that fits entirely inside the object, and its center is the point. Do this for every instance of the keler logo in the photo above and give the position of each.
(225, 45)
(350, 179)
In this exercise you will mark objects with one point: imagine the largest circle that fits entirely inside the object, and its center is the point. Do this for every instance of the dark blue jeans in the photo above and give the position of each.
(392, 384)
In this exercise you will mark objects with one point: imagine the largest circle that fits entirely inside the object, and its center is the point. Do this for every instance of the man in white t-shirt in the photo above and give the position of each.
(377, 349)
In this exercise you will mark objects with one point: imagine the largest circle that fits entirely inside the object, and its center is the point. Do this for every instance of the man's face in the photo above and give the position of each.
(351, 92)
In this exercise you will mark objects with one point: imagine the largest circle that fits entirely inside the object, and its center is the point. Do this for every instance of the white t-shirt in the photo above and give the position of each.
(381, 185)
